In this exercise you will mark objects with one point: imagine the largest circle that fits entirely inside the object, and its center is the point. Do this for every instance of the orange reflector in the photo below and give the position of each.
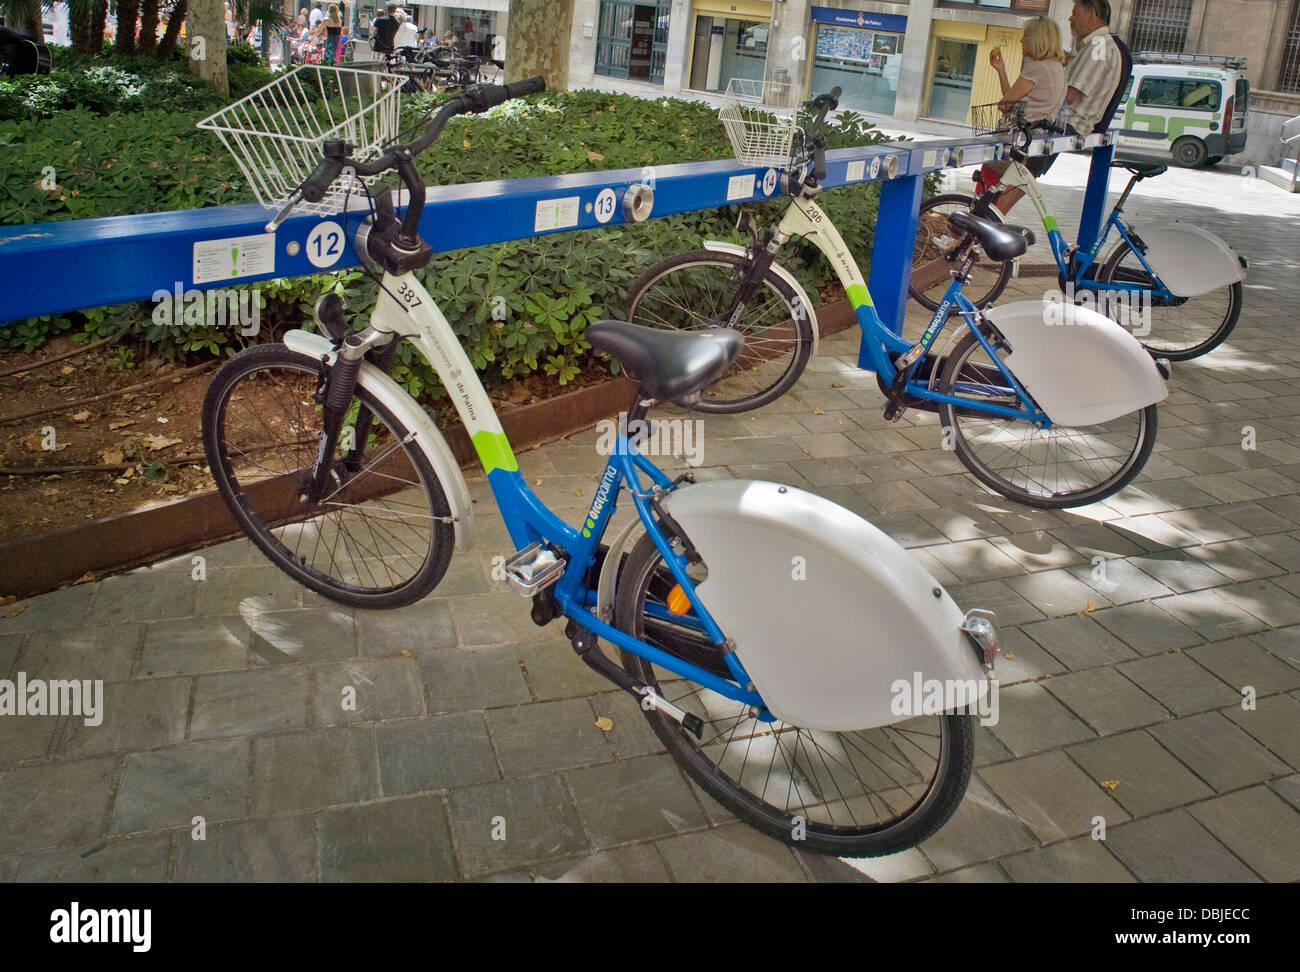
(678, 602)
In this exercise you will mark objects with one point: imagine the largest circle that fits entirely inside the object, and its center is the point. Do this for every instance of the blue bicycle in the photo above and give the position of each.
(1050, 405)
(710, 594)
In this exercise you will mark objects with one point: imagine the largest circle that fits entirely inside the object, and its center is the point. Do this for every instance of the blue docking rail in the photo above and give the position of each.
(52, 268)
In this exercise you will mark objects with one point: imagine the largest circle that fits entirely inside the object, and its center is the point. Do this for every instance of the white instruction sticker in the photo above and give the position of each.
(238, 256)
(856, 171)
(929, 158)
(740, 187)
(556, 214)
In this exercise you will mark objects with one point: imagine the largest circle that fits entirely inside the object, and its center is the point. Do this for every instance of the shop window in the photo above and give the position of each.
(632, 40)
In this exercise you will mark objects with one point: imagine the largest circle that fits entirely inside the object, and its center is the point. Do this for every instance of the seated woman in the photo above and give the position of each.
(1041, 84)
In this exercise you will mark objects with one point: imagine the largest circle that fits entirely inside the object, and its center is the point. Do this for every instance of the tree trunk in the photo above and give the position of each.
(207, 38)
(148, 26)
(95, 42)
(173, 32)
(81, 23)
(537, 41)
(128, 13)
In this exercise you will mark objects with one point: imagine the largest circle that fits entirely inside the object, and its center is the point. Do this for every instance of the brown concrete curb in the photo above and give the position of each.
(34, 565)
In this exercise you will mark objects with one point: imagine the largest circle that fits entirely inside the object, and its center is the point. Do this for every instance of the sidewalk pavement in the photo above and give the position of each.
(1120, 700)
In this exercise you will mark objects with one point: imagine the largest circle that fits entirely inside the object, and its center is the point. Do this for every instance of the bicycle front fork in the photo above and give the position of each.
(335, 395)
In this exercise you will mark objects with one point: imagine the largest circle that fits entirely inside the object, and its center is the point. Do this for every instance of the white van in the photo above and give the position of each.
(1197, 102)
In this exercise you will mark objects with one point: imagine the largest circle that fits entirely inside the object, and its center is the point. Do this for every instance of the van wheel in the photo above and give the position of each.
(1189, 152)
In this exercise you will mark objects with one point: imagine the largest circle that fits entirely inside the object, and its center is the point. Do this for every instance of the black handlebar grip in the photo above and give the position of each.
(517, 89)
(819, 163)
(316, 184)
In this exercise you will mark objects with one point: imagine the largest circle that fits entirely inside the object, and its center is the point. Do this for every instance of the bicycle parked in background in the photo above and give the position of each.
(1176, 286)
(1049, 417)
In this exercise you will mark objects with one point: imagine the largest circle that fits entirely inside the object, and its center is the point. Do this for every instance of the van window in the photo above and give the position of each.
(1243, 95)
(1184, 93)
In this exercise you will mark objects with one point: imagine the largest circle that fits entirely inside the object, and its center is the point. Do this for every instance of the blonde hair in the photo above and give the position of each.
(1043, 40)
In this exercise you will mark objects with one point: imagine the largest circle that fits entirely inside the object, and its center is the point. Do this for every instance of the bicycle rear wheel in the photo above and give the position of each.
(851, 794)
(1179, 327)
(1051, 468)
(699, 289)
(381, 535)
(935, 239)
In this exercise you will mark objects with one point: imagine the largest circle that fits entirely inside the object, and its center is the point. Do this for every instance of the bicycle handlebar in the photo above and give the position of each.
(478, 98)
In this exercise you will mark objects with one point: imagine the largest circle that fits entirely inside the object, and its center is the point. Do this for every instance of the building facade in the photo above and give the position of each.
(920, 59)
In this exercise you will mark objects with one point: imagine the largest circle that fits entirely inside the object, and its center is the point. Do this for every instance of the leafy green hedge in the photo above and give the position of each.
(155, 160)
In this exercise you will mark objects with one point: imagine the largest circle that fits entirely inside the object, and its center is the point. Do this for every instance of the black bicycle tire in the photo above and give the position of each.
(442, 536)
(940, 801)
(798, 361)
(1004, 274)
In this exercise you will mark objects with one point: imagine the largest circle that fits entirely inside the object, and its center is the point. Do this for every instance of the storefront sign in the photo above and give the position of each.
(859, 18)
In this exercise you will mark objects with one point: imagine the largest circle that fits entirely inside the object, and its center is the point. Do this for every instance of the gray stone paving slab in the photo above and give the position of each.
(241, 703)
(136, 716)
(634, 799)
(366, 691)
(1051, 795)
(1174, 847)
(170, 787)
(505, 825)
(979, 874)
(1079, 642)
(730, 854)
(546, 736)
(436, 753)
(639, 864)
(309, 770)
(268, 849)
(417, 628)
(1274, 721)
(142, 859)
(1030, 720)
(981, 829)
(1080, 860)
(193, 646)
(1241, 662)
(106, 653)
(1147, 778)
(1288, 788)
(1146, 628)
(1218, 751)
(396, 840)
(1106, 700)
(481, 678)
(1179, 684)
(1258, 827)
(54, 805)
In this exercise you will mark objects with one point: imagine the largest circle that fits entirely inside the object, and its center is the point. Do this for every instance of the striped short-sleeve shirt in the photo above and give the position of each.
(1095, 72)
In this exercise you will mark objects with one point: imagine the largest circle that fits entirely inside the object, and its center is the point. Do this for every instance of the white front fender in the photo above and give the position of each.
(1080, 367)
(720, 247)
(1190, 261)
(826, 612)
(430, 441)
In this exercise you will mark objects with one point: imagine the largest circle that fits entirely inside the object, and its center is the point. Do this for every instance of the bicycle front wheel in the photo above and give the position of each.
(700, 289)
(1177, 328)
(1051, 468)
(935, 239)
(380, 536)
(852, 794)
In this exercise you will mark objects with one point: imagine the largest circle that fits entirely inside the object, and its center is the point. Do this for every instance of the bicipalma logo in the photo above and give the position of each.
(598, 504)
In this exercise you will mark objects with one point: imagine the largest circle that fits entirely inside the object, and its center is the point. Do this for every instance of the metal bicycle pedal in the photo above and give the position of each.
(534, 568)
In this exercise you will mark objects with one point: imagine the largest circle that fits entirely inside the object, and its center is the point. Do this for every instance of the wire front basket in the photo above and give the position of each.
(995, 118)
(276, 134)
(760, 118)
